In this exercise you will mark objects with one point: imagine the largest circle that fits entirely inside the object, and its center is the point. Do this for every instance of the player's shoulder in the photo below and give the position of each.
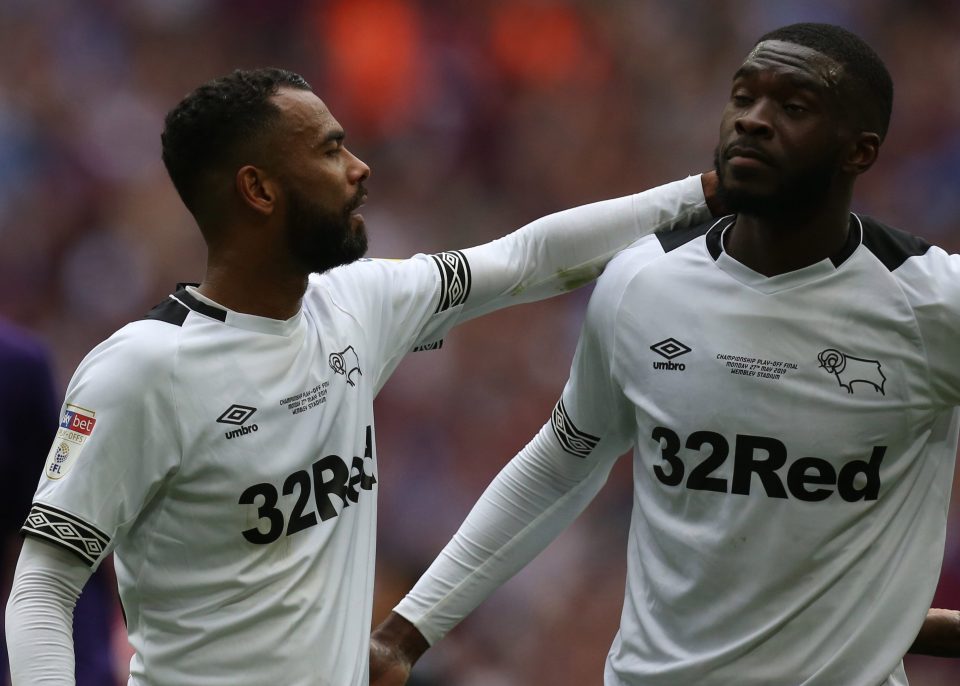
(139, 351)
(891, 246)
(910, 258)
(367, 268)
(370, 279)
(927, 275)
(649, 252)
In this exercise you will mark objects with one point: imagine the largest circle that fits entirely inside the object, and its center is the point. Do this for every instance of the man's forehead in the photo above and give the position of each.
(793, 59)
(302, 109)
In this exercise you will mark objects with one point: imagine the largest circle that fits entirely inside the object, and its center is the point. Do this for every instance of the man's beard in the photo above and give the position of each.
(320, 239)
(795, 196)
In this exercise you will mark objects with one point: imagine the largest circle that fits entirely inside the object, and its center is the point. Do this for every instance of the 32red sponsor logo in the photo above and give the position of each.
(696, 463)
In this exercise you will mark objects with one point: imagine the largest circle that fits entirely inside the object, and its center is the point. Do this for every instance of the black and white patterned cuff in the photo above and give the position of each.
(573, 440)
(66, 530)
(454, 279)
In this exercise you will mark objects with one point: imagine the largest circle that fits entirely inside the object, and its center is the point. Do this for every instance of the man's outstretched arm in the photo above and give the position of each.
(565, 250)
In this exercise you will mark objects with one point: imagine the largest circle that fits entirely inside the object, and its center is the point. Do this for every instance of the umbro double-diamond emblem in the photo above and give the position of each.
(238, 416)
(670, 348)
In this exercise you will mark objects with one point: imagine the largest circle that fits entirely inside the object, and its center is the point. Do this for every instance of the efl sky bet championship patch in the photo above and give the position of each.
(76, 426)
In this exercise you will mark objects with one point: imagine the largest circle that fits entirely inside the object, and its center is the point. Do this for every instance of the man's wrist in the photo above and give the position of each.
(711, 192)
(400, 636)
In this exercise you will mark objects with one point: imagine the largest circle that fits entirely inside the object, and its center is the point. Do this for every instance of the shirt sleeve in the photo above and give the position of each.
(39, 614)
(541, 491)
(413, 303)
(932, 283)
(569, 249)
(117, 441)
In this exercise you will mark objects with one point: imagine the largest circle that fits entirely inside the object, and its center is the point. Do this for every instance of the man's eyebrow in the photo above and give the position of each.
(335, 136)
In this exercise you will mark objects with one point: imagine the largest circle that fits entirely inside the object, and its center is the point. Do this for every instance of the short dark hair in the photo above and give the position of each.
(217, 122)
(866, 70)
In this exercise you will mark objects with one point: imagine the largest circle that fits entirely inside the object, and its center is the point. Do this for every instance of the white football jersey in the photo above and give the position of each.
(794, 446)
(230, 460)
(794, 440)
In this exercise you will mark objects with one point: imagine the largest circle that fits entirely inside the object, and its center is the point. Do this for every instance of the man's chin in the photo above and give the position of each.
(751, 196)
(326, 262)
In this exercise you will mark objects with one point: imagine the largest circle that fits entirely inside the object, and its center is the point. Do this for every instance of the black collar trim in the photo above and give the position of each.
(854, 237)
(715, 235)
(183, 295)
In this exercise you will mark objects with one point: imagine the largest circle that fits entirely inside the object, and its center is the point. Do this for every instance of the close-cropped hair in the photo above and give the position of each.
(218, 122)
(863, 66)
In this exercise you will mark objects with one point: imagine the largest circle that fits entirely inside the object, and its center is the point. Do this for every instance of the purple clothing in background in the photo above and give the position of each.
(29, 412)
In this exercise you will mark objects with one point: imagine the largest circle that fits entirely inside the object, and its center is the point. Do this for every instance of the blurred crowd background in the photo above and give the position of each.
(476, 117)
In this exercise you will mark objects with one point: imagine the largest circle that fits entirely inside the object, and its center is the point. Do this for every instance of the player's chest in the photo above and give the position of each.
(278, 442)
(265, 405)
(814, 362)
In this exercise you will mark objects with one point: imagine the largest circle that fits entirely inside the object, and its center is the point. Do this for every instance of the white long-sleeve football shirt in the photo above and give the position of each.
(794, 440)
(229, 461)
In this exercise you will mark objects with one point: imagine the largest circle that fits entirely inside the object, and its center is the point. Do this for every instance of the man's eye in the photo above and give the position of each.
(794, 108)
(741, 100)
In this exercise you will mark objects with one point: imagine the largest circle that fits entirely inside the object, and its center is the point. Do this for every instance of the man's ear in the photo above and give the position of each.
(862, 153)
(257, 190)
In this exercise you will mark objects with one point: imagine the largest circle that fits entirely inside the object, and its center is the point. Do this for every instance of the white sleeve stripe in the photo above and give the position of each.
(66, 530)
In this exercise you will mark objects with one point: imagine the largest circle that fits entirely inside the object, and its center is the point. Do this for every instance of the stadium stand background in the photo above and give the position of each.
(475, 117)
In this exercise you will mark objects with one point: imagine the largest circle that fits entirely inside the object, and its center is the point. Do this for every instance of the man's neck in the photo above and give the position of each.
(255, 291)
(772, 246)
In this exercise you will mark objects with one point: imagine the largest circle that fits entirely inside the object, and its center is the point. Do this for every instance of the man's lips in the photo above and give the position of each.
(358, 203)
(742, 153)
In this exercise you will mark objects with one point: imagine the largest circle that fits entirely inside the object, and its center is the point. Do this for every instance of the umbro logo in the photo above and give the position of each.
(670, 348)
(238, 416)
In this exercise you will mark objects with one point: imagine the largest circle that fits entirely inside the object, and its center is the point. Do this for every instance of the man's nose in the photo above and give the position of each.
(755, 120)
(358, 171)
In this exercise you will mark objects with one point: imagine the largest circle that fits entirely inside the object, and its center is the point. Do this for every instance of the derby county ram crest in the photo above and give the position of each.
(347, 363)
(850, 370)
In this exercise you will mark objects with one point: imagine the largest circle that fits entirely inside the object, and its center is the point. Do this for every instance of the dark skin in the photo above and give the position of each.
(940, 634)
(785, 116)
(791, 116)
(395, 646)
(250, 265)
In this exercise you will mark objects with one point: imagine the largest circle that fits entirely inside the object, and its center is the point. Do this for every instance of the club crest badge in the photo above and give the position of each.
(346, 363)
(76, 427)
(850, 370)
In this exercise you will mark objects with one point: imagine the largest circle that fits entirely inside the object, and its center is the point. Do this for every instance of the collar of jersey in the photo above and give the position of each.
(201, 304)
(780, 282)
